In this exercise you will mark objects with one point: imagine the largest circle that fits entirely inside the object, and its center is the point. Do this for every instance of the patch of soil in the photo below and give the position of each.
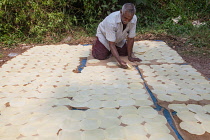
(200, 61)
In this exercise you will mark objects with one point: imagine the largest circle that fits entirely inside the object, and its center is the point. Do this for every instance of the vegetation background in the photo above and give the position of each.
(49, 21)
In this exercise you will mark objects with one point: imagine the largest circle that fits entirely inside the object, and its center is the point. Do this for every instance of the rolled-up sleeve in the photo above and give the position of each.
(110, 32)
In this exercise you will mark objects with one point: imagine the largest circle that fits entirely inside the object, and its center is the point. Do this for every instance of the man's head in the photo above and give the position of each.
(127, 12)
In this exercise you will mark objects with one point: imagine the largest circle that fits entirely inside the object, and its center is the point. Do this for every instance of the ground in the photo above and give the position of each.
(192, 55)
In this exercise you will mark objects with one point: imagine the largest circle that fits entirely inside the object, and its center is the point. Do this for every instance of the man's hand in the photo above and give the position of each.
(123, 64)
(132, 59)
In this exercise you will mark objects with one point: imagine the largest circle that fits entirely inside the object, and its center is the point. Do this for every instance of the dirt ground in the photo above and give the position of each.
(192, 55)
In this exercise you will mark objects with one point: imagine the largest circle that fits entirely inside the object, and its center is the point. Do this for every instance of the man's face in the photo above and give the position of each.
(126, 17)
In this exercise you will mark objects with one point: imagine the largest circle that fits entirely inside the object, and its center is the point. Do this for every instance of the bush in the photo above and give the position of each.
(46, 20)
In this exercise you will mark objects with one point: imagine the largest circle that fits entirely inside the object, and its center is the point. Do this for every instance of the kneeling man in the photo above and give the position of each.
(112, 33)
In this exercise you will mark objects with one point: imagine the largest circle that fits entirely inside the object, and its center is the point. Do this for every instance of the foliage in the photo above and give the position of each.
(43, 21)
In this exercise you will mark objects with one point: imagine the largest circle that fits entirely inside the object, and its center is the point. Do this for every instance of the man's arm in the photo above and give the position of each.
(116, 55)
(130, 42)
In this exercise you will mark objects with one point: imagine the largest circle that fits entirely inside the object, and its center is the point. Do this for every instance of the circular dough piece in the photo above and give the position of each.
(81, 98)
(135, 86)
(147, 112)
(9, 131)
(181, 97)
(97, 134)
(135, 130)
(186, 116)
(143, 103)
(77, 115)
(20, 119)
(167, 98)
(206, 126)
(131, 119)
(139, 96)
(48, 129)
(110, 104)
(202, 117)
(65, 135)
(157, 119)
(207, 108)
(155, 128)
(192, 127)
(196, 108)
(18, 102)
(127, 110)
(109, 122)
(29, 129)
(93, 113)
(161, 136)
(94, 104)
(112, 64)
(89, 124)
(126, 102)
(71, 125)
(115, 133)
(93, 61)
(178, 107)
(108, 112)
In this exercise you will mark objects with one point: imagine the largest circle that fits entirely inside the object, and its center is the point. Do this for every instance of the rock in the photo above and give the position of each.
(12, 54)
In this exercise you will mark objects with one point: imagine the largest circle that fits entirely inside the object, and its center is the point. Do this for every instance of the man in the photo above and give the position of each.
(112, 33)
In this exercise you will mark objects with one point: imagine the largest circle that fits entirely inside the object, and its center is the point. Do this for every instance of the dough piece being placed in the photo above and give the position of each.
(89, 124)
(193, 127)
(112, 64)
(161, 136)
(97, 134)
(93, 61)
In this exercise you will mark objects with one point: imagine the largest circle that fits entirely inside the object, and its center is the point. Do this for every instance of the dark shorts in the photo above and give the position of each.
(99, 51)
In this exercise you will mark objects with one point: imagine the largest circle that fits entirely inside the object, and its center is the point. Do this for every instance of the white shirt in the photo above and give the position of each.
(111, 29)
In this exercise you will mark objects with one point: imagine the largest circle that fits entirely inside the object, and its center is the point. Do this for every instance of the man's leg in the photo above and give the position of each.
(123, 51)
(99, 51)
